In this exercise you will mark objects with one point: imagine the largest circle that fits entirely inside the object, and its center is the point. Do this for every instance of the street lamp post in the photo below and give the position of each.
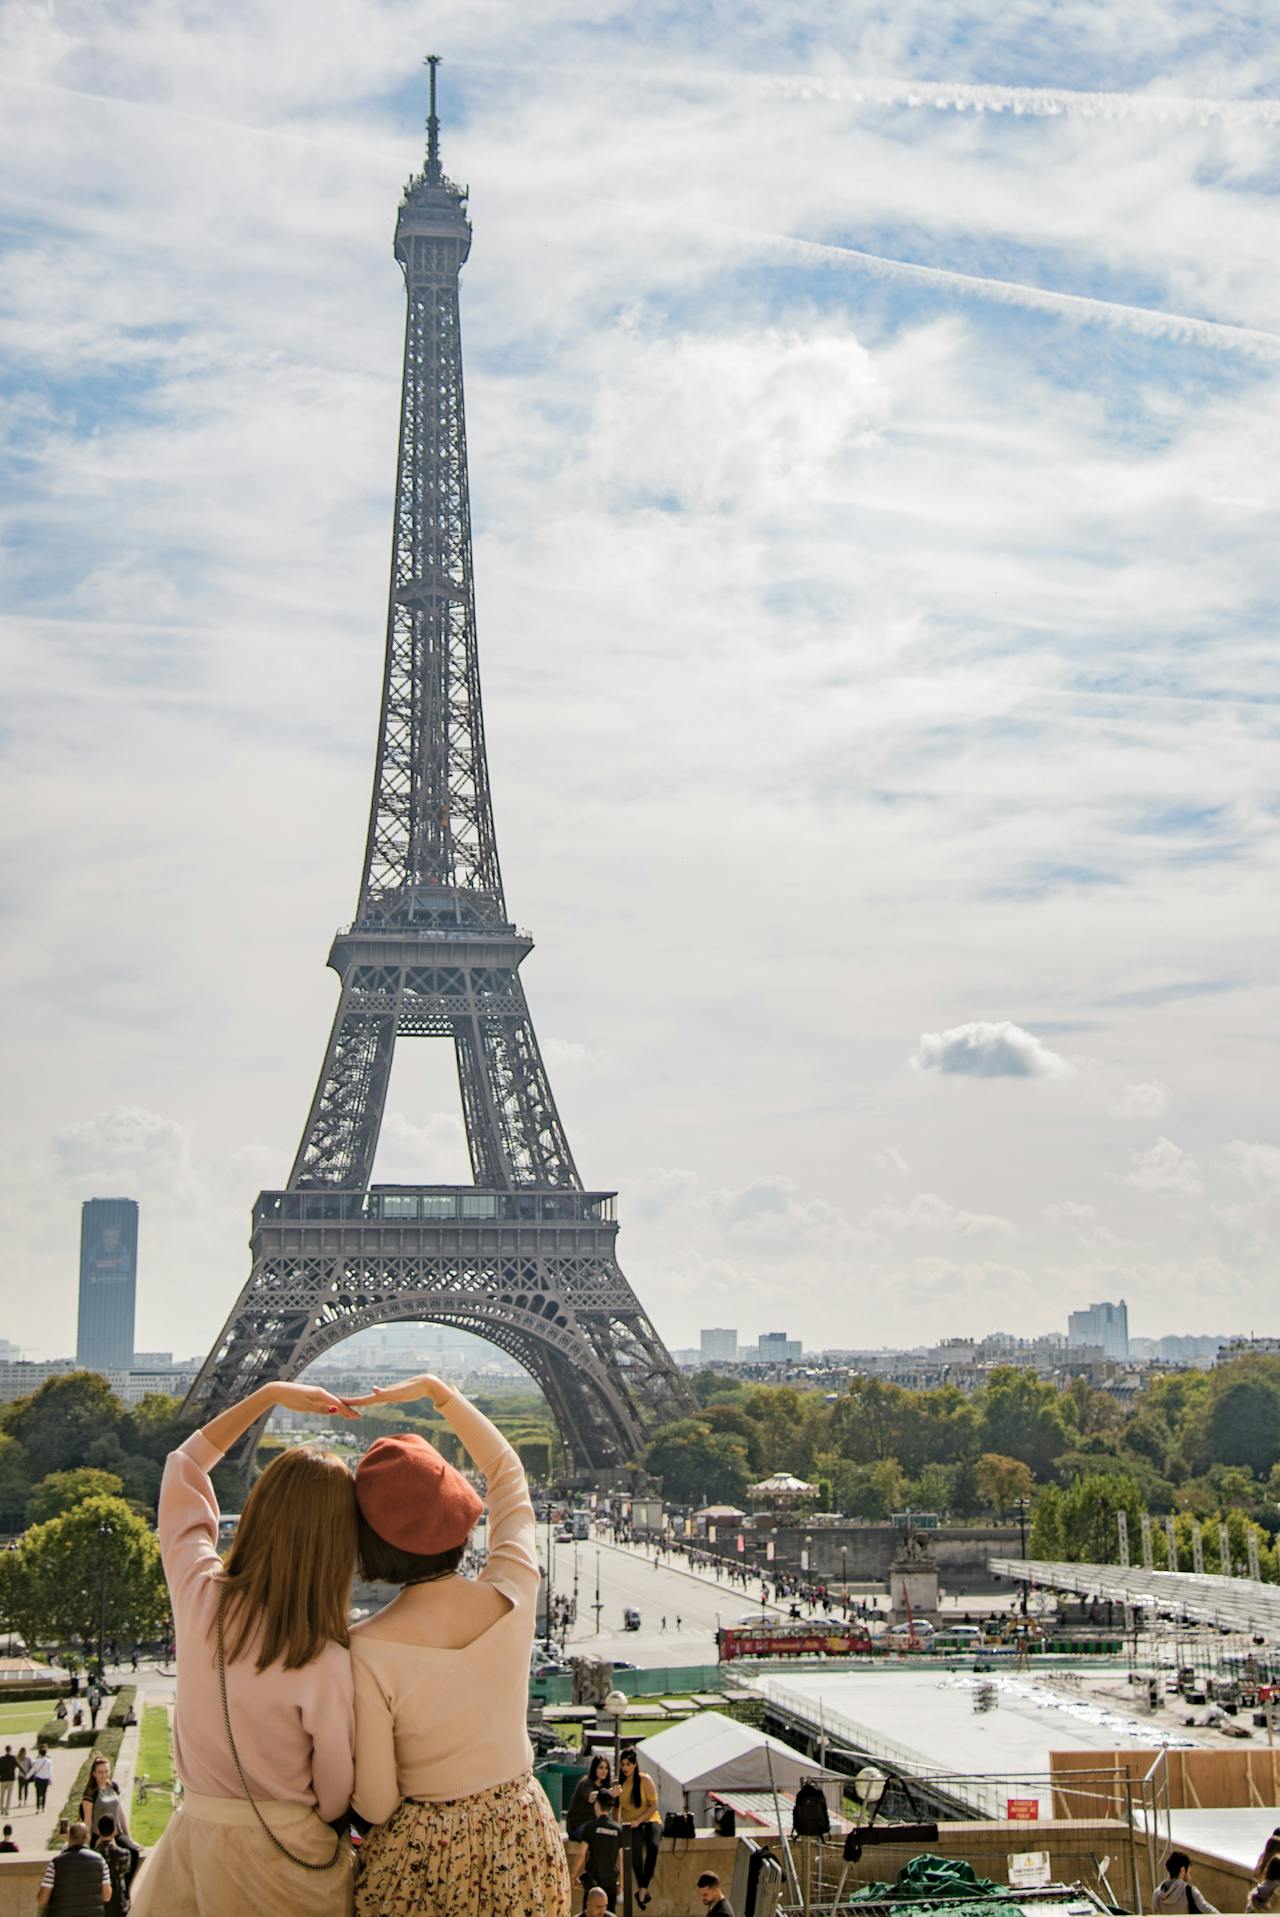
(105, 1531)
(844, 1577)
(597, 1607)
(1022, 1533)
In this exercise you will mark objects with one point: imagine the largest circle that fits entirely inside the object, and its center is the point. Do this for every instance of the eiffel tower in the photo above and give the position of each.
(524, 1257)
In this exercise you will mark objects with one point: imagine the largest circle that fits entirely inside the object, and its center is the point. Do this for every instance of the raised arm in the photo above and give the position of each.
(512, 1563)
(187, 1517)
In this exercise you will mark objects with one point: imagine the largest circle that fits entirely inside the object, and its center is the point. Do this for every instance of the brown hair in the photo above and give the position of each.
(383, 1563)
(289, 1569)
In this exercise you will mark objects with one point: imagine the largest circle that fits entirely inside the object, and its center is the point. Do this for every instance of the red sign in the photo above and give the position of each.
(1022, 1810)
(793, 1643)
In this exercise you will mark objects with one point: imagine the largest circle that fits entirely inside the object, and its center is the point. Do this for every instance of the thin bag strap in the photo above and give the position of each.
(284, 1850)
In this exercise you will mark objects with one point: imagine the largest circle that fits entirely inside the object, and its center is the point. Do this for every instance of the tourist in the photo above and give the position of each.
(24, 1775)
(582, 1805)
(6, 1842)
(8, 1776)
(638, 1806)
(1177, 1892)
(101, 1799)
(599, 1860)
(76, 1880)
(60, 1710)
(41, 1775)
(1269, 1850)
(1266, 1892)
(263, 1723)
(120, 1865)
(712, 1895)
(595, 1903)
(443, 1760)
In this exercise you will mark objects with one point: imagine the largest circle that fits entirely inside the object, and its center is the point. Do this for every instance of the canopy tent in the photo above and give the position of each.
(712, 1752)
(783, 1487)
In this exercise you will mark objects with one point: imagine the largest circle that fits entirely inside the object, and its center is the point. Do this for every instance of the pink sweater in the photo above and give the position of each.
(294, 1730)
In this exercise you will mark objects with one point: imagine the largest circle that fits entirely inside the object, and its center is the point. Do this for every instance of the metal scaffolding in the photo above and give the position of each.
(1232, 1604)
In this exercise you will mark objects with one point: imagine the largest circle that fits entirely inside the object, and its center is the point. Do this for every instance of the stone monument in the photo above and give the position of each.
(913, 1579)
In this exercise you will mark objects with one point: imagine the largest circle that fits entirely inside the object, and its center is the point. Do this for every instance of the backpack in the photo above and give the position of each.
(809, 1815)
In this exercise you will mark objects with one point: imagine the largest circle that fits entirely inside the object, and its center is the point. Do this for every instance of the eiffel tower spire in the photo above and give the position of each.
(524, 1256)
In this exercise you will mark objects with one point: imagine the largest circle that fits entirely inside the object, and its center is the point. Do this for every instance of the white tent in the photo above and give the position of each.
(712, 1752)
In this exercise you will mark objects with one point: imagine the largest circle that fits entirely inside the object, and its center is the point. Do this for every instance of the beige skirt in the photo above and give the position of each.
(215, 1860)
(497, 1854)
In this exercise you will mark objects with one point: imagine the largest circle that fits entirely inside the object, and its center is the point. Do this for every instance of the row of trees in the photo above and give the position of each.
(1202, 1442)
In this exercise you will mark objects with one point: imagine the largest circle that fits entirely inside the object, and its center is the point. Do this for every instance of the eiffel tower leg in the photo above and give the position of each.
(341, 1134)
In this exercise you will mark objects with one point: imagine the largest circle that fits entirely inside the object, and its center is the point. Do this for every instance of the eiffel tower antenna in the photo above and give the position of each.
(523, 1256)
(434, 175)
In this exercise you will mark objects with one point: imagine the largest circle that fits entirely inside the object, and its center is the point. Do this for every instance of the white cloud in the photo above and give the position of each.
(1148, 1099)
(1070, 1212)
(1165, 1168)
(926, 1212)
(890, 1160)
(989, 1049)
(124, 1153)
(567, 1052)
(1258, 1164)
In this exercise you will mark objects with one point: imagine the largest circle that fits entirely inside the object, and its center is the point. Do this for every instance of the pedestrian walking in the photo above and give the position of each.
(463, 1827)
(41, 1775)
(24, 1775)
(8, 1777)
(263, 1717)
(76, 1881)
(103, 1799)
(638, 1808)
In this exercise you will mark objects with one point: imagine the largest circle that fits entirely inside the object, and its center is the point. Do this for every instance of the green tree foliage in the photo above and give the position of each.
(59, 1426)
(99, 1558)
(1003, 1481)
(698, 1465)
(63, 1490)
(15, 1483)
(1044, 1539)
(1243, 1425)
(1019, 1416)
(1090, 1533)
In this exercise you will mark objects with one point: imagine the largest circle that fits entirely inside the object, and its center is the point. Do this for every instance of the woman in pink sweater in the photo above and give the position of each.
(443, 1763)
(265, 1751)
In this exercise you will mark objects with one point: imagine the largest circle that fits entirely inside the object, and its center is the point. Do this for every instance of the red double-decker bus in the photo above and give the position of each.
(793, 1640)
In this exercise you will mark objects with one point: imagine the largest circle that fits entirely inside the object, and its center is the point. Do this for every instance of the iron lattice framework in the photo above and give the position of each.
(525, 1258)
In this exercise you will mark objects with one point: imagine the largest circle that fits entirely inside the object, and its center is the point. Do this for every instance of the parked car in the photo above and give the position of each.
(631, 1619)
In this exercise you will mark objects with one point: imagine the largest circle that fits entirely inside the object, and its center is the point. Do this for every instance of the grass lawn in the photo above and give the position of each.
(19, 1720)
(155, 1763)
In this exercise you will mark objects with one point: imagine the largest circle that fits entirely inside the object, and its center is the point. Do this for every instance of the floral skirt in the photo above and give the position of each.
(497, 1854)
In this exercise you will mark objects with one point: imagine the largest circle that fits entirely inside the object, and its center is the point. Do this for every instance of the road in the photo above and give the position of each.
(693, 1603)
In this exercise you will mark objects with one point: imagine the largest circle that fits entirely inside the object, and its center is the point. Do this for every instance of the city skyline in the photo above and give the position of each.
(903, 635)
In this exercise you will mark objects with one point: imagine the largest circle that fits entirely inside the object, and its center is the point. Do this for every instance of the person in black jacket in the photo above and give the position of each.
(712, 1895)
(581, 1814)
(599, 1863)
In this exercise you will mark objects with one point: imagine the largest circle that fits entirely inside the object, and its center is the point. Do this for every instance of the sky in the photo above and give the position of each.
(873, 414)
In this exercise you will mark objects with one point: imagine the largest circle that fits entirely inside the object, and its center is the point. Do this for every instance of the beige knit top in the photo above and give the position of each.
(440, 1723)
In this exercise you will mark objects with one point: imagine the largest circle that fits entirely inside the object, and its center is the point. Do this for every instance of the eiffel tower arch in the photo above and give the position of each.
(524, 1257)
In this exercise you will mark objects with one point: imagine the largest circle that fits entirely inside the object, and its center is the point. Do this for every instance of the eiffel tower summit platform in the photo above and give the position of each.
(524, 1257)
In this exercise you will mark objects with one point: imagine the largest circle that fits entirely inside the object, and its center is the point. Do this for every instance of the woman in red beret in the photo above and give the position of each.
(444, 1767)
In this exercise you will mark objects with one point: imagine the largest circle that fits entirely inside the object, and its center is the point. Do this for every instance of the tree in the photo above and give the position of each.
(15, 1483)
(1045, 1537)
(1002, 1481)
(97, 1562)
(698, 1465)
(1243, 1425)
(63, 1490)
(863, 1490)
(866, 1421)
(1090, 1533)
(1021, 1417)
(59, 1425)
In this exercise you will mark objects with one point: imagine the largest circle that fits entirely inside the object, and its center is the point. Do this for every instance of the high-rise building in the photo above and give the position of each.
(720, 1342)
(108, 1283)
(776, 1348)
(1106, 1325)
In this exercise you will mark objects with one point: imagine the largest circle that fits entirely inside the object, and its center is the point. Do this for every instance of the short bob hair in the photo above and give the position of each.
(288, 1574)
(383, 1563)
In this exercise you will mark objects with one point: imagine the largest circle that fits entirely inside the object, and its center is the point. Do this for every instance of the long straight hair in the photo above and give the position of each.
(287, 1580)
(637, 1795)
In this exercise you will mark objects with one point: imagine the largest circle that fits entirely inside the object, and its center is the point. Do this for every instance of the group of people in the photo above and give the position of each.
(1177, 1895)
(26, 1773)
(377, 1770)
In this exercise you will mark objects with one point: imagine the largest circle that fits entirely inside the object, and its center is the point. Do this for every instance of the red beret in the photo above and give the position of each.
(413, 1498)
